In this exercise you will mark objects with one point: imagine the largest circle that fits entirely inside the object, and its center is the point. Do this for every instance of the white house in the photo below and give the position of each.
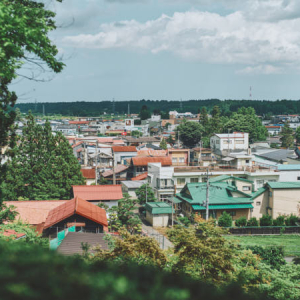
(229, 142)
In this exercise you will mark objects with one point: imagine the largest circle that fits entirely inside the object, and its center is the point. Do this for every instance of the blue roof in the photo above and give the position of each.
(288, 167)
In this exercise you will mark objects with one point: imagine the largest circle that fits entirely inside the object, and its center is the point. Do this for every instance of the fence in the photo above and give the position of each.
(264, 230)
(54, 243)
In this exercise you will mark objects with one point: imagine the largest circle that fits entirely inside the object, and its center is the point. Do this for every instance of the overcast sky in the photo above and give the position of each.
(172, 49)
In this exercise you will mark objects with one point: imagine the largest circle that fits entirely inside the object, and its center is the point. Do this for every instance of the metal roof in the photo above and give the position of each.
(156, 208)
(98, 192)
(284, 185)
(144, 161)
(232, 206)
(133, 184)
(288, 167)
(258, 192)
(124, 149)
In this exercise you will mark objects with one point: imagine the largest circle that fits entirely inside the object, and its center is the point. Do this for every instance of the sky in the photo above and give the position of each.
(172, 50)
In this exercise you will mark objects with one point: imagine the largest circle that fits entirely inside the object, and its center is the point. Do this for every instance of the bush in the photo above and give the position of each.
(291, 220)
(225, 220)
(279, 221)
(266, 220)
(184, 220)
(241, 222)
(252, 222)
(271, 255)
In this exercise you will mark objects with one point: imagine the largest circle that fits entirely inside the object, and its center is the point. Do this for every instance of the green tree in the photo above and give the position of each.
(163, 144)
(170, 140)
(42, 166)
(245, 120)
(297, 135)
(123, 216)
(136, 133)
(145, 113)
(287, 137)
(203, 117)
(7, 213)
(25, 26)
(190, 133)
(145, 194)
(225, 220)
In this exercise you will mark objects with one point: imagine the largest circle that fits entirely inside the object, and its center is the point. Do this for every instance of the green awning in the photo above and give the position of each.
(229, 206)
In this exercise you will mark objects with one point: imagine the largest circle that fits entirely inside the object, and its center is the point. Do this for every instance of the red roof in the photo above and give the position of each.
(140, 177)
(98, 192)
(11, 232)
(124, 149)
(144, 161)
(88, 173)
(76, 206)
(77, 144)
(273, 126)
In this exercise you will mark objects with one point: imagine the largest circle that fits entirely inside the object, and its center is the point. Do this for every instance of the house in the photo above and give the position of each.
(89, 175)
(120, 174)
(76, 212)
(139, 165)
(203, 157)
(223, 196)
(129, 187)
(223, 142)
(108, 194)
(134, 141)
(158, 213)
(122, 153)
(273, 129)
(179, 157)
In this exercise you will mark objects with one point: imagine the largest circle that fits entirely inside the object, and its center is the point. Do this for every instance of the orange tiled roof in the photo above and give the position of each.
(98, 192)
(88, 173)
(76, 206)
(140, 177)
(124, 149)
(11, 232)
(78, 122)
(144, 161)
(153, 153)
(34, 212)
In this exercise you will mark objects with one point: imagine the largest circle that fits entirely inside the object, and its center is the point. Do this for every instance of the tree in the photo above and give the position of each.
(136, 133)
(144, 113)
(225, 220)
(123, 216)
(203, 117)
(42, 166)
(245, 120)
(7, 213)
(25, 26)
(170, 140)
(252, 222)
(287, 138)
(190, 133)
(163, 144)
(145, 194)
(297, 135)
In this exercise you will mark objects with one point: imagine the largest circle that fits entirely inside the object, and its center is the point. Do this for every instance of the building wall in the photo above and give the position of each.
(243, 186)
(89, 181)
(289, 175)
(260, 205)
(161, 220)
(285, 202)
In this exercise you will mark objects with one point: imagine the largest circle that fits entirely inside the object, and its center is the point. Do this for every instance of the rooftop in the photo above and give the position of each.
(140, 177)
(144, 161)
(98, 192)
(158, 208)
(88, 173)
(118, 169)
(284, 185)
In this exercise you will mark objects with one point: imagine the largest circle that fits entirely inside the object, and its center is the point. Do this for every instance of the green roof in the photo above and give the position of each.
(258, 192)
(219, 193)
(233, 206)
(176, 200)
(284, 185)
(156, 208)
(227, 177)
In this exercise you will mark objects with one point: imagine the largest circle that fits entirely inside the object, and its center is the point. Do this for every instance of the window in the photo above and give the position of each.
(174, 159)
(271, 194)
(246, 188)
(298, 178)
(247, 161)
(181, 159)
(239, 141)
(180, 181)
(194, 180)
(258, 203)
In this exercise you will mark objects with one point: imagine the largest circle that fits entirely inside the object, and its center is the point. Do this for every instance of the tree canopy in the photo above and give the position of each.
(190, 133)
(287, 136)
(41, 166)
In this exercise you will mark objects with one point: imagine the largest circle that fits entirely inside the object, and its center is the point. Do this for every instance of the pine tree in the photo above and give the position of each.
(287, 138)
(42, 166)
(203, 117)
(163, 144)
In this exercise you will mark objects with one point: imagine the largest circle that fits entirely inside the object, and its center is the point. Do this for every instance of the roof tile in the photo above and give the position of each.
(98, 192)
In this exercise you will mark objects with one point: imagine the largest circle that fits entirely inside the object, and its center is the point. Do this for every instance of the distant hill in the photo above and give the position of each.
(121, 107)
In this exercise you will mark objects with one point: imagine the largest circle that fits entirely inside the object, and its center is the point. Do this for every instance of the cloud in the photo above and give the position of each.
(262, 69)
(203, 36)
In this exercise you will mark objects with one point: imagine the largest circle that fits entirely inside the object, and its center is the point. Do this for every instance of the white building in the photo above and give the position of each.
(227, 142)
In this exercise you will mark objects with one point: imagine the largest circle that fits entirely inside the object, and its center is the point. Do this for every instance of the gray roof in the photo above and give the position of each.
(279, 155)
(71, 244)
(134, 184)
(142, 139)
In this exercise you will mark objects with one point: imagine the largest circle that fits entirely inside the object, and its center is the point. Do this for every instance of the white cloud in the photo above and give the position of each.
(261, 69)
(204, 36)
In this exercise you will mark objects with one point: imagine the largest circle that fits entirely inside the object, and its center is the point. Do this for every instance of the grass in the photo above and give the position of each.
(291, 243)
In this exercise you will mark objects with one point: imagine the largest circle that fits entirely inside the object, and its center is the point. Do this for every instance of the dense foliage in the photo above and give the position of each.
(225, 220)
(41, 166)
(83, 108)
(190, 133)
(145, 194)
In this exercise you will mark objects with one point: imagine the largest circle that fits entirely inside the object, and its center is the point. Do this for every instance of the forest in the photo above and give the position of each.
(83, 108)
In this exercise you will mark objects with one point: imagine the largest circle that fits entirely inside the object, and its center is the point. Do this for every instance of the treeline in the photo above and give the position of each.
(83, 108)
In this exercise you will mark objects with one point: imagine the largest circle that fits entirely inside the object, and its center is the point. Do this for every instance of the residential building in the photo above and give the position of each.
(89, 175)
(179, 157)
(130, 187)
(158, 213)
(122, 153)
(274, 130)
(120, 174)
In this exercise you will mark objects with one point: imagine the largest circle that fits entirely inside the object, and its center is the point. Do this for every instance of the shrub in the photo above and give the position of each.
(225, 220)
(266, 220)
(241, 222)
(272, 255)
(279, 221)
(291, 220)
(184, 220)
(252, 222)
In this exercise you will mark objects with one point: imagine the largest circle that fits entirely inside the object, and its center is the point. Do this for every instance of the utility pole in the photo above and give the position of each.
(172, 211)
(114, 172)
(207, 197)
(96, 169)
